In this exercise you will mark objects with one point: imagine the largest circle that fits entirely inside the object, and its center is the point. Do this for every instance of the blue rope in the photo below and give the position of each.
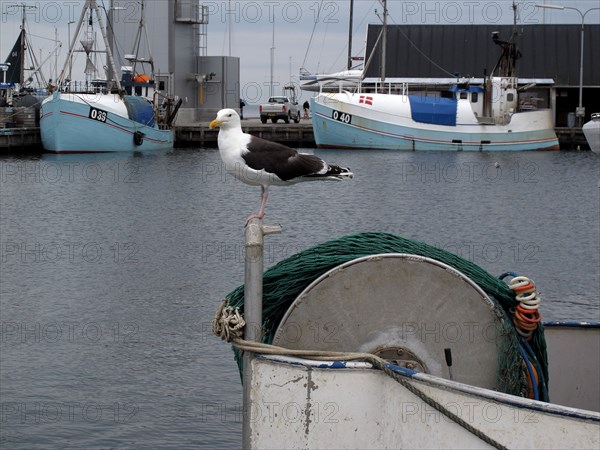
(531, 374)
(531, 354)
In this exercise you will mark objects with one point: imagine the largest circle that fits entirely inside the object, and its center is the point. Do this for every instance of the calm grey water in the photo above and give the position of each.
(113, 266)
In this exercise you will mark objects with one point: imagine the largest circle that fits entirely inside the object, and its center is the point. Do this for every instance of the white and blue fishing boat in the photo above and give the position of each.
(81, 123)
(102, 117)
(377, 341)
(484, 117)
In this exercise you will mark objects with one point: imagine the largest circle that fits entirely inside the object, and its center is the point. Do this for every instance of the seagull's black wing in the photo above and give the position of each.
(283, 161)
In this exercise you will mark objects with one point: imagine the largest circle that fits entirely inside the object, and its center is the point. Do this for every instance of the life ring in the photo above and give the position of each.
(138, 138)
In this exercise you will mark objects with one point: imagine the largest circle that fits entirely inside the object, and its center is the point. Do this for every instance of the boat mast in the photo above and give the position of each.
(109, 55)
(506, 66)
(91, 5)
(22, 43)
(272, 56)
(384, 41)
(22, 49)
(350, 35)
(137, 42)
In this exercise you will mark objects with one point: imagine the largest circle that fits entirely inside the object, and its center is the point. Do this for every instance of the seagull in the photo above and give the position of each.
(259, 162)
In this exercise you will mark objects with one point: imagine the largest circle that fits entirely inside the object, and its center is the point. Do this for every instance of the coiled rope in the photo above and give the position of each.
(526, 313)
(526, 318)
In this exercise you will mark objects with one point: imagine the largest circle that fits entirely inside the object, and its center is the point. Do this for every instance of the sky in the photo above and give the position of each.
(307, 33)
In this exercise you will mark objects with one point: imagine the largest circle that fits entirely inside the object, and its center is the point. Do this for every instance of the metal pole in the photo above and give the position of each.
(384, 44)
(229, 27)
(55, 53)
(69, 54)
(580, 110)
(580, 113)
(272, 56)
(350, 35)
(254, 242)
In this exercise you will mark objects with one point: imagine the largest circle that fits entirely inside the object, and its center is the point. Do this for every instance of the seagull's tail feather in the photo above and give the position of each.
(341, 173)
(331, 172)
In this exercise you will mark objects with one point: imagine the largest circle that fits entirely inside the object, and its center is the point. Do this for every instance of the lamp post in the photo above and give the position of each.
(580, 113)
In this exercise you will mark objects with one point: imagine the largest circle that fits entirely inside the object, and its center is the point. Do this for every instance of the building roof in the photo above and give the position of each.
(440, 51)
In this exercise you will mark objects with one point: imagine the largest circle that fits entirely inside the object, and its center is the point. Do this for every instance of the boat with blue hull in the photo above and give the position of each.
(80, 123)
(468, 116)
(106, 115)
(403, 122)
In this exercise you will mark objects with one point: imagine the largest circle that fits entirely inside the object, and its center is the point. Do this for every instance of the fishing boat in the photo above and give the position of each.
(591, 130)
(466, 117)
(377, 341)
(104, 115)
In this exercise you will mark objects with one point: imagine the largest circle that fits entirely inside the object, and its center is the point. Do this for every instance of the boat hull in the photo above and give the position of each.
(384, 121)
(91, 123)
(299, 403)
(591, 130)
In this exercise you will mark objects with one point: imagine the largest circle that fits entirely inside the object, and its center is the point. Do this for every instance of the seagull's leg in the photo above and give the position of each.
(264, 195)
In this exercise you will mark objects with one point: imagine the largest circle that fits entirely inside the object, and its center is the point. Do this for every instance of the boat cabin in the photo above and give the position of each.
(139, 84)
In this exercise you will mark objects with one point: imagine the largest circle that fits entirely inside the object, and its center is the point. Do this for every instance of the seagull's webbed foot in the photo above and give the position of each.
(254, 216)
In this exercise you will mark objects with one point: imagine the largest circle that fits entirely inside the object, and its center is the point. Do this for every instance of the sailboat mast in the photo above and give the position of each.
(22, 43)
(22, 49)
(384, 41)
(350, 35)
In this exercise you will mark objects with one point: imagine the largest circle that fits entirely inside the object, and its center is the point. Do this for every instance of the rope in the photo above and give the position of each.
(312, 33)
(228, 325)
(22, 109)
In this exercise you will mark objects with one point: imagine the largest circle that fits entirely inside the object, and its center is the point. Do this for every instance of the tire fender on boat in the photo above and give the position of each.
(138, 138)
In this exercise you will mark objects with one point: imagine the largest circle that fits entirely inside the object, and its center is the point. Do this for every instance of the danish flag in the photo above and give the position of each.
(367, 100)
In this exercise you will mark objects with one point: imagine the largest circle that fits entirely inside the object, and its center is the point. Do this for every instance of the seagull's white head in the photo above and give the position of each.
(226, 118)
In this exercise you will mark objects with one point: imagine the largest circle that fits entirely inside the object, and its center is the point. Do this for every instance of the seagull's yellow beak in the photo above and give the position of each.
(215, 124)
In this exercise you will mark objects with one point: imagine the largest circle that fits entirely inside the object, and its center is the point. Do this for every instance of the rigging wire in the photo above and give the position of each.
(355, 28)
(116, 43)
(312, 33)
(413, 45)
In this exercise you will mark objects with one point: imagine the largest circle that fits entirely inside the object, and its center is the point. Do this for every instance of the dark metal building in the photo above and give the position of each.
(548, 51)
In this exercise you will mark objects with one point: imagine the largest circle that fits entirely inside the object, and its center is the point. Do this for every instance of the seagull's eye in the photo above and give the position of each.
(228, 115)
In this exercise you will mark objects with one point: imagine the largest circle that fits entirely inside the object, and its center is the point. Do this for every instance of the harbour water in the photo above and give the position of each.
(112, 267)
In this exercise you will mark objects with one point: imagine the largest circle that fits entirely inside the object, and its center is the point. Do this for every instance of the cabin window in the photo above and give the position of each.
(474, 97)
(510, 97)
(463, 96)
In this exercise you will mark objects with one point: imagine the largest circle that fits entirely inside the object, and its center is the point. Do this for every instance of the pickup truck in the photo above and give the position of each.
(280, 107)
